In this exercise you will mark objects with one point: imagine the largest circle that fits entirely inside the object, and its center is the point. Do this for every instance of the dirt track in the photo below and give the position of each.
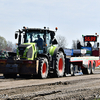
(85, 87)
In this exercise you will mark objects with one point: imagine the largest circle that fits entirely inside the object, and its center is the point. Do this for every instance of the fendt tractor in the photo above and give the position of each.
(38, 54)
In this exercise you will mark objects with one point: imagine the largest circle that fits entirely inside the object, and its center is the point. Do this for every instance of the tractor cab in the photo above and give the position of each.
(91, 45)
(39, 40)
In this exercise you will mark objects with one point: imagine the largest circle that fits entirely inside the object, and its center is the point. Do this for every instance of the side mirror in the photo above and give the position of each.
(16, 35)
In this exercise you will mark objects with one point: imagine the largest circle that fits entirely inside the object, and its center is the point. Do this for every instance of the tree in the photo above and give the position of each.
(6, 45)
(74, 44)
(9, 46)
(3, 43)
(61, 41)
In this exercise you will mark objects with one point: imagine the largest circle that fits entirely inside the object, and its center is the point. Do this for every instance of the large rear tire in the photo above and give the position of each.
(59, 65)
(43, 68)
(87, 70)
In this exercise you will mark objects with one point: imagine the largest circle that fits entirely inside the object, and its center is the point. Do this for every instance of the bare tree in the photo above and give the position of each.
(3, 43)
(74, 44)
(61, 41)
(9, 46)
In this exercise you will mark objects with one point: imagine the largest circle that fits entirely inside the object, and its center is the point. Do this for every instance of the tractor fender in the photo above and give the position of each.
(58, 49)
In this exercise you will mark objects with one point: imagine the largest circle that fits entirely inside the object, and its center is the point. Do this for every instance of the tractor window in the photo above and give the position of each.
(48, 38)
(33, 36)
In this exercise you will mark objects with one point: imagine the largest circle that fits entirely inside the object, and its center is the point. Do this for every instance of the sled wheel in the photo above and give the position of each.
(43, 68)
(72, 70)
(93, 68)
(84, 70)
(87, 70)
(59, 64)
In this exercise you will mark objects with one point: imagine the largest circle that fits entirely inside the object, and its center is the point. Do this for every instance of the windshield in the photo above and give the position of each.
(33, 36)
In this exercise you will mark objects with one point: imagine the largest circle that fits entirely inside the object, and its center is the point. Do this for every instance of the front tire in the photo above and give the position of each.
(43, 68)
(59, 65)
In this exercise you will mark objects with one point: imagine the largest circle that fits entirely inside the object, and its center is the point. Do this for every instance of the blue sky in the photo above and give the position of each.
(72, 17)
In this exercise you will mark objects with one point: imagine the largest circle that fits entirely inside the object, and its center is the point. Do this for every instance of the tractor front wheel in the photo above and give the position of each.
(43, 68)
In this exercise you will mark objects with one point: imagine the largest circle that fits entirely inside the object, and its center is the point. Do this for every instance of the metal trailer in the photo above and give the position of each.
(86, 64)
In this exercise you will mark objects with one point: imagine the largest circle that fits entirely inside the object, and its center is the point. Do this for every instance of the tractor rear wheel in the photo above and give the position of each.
(43, 68)
(59, 65)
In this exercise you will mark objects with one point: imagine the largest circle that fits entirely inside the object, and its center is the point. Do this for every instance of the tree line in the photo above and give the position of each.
(6, 45)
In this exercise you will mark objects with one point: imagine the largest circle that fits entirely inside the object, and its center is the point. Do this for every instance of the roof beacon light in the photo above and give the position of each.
(24, 27)
(95, 33)
(56, 28)
(44, 27)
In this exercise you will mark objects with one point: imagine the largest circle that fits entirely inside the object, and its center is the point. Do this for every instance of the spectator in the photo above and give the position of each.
(89, 44)
(78, 45)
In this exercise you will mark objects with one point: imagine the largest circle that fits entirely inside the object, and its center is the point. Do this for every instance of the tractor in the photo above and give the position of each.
(37, 53)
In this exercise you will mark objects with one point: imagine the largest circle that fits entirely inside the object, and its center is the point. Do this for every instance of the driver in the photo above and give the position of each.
(39, 38)
(39, 42)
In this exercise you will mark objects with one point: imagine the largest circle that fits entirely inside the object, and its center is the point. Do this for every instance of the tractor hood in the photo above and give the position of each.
(27, 51)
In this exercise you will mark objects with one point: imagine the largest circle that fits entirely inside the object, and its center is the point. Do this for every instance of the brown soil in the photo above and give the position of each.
(85, 87)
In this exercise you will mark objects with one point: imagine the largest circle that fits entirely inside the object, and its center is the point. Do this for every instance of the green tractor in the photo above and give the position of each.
(37, 54)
